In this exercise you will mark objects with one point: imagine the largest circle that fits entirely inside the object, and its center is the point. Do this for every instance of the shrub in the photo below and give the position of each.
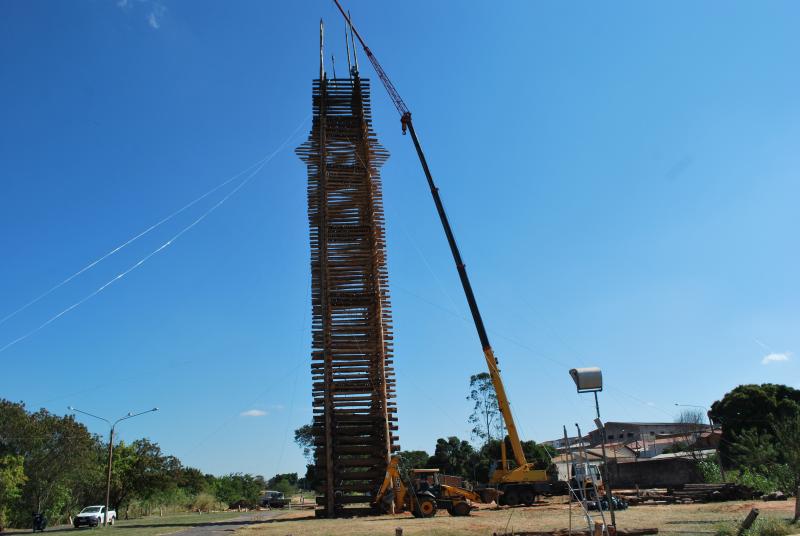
(204, 502)
(709, 469)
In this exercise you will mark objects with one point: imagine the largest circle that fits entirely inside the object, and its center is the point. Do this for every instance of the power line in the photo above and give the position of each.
(147, 257)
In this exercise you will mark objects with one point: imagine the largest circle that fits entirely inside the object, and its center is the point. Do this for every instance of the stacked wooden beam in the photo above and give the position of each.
(353, 378)
(688, 493)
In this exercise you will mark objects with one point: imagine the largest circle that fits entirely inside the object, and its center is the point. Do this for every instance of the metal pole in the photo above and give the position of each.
(110, 447)
(609, 496)
(108, 480)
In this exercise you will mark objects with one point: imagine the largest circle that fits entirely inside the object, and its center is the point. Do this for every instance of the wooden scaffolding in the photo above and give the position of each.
(351, 359)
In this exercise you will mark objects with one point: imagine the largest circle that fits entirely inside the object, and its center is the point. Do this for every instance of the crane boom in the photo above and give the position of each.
(491, 361)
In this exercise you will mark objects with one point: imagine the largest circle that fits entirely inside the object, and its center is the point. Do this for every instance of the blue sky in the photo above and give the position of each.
(622, 180)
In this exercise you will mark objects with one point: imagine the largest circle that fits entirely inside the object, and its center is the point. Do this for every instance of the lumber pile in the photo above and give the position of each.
(691, 493)
(566, 532)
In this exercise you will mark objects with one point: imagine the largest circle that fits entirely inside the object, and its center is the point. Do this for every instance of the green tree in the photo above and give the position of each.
(753, 407)
(12, 477)
(485, 418)
(414, 459)
(787, 434)
(238, 489)
(304, 438)
(753, 449)
(291, 478)
(452, 456)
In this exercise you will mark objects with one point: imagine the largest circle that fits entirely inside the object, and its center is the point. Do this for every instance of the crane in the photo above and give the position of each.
(524, 482)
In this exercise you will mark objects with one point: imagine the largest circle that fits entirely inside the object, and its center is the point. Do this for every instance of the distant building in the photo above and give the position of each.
(645, 434)
(560, 444)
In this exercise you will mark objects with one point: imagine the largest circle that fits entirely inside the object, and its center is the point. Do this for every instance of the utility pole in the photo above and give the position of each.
(112, 426)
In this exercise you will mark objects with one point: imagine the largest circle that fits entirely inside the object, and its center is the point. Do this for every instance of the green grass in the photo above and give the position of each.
(147, 526)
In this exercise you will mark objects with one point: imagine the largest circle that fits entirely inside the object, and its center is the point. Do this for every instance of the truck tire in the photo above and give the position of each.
(528, 497)
(511, 497)
(460, 509)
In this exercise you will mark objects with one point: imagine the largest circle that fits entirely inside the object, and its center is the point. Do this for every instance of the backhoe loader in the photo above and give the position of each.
(397, 495)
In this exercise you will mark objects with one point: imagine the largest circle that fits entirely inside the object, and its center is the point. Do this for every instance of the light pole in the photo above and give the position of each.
(110, 447)
(590, 380)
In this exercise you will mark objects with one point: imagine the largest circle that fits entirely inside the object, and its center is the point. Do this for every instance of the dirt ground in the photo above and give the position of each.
(669, 519)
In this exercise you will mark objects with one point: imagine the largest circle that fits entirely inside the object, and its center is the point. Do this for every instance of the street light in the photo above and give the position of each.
(113, 425)
(590, 380)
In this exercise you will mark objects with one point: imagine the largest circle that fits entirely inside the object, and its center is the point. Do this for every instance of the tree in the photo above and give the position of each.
(452, 456)
(12, 477)
(291, 478)
(414, 459)
(694, 421)
(787, 434)
(304, 437)
(753, 407)
(485, 418)
(237, 489)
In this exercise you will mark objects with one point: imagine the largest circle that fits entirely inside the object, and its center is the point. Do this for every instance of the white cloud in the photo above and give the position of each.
(774, 357)
(156, 14)
(253, 413)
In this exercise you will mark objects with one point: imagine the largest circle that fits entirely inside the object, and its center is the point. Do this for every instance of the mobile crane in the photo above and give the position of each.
(520, 482)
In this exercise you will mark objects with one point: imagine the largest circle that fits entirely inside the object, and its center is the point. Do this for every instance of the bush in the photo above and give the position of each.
(204, 502)
(709, 469)
(766, 479)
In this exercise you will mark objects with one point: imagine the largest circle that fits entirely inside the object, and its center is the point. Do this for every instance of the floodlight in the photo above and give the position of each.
(588, 379)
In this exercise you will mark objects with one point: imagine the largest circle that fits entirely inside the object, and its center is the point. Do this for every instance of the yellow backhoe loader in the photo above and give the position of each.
(424, 495)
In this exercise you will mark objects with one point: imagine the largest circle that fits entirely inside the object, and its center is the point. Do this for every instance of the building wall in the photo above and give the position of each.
(654, 473)
(643, 432)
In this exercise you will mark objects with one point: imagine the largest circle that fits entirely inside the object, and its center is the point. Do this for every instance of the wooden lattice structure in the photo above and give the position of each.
(353, 379)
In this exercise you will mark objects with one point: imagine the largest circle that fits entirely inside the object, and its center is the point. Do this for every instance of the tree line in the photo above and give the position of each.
(53, 465)
(453, 455)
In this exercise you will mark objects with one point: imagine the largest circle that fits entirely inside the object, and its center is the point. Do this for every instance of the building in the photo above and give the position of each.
(645, 433)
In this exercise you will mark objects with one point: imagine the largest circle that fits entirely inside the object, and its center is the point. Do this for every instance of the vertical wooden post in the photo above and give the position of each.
(796, 505)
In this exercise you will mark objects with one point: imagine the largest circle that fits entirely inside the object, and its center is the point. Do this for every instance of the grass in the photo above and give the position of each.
(692, 519)
(146, 526)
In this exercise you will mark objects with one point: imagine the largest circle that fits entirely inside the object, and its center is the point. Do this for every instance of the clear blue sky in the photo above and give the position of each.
(622, 179)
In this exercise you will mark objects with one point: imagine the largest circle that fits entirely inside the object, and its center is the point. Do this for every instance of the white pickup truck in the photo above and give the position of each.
(92, 516)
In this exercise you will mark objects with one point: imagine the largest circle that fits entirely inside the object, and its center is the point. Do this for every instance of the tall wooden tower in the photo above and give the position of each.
(351, 359)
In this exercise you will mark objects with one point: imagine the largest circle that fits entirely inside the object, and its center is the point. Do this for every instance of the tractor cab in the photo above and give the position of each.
(425, 479)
